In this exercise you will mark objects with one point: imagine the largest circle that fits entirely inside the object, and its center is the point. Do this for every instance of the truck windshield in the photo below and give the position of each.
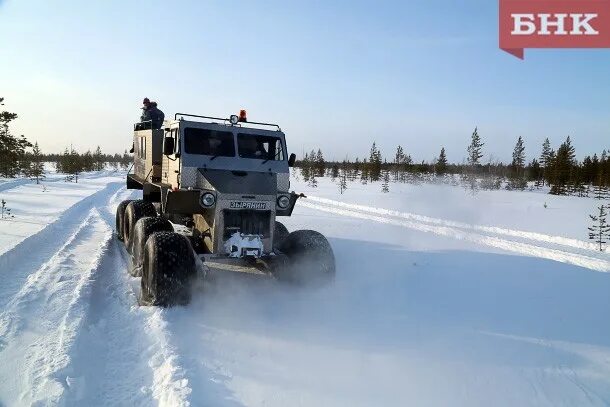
(209, 142)
(260, 147)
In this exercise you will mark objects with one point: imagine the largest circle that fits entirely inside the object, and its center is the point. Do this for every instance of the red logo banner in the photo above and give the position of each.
(553, 24)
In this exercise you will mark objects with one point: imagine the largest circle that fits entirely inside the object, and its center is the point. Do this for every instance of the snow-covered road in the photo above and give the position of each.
(440, 299)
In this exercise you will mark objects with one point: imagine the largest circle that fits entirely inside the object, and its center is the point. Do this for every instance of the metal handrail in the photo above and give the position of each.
(147, 121)
(225, 120)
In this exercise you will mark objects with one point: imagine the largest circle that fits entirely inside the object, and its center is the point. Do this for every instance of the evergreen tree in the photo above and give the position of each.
(600, 191)
(5, 212)
(475, 149)
(518, 166)
(364, 175)
(400, 155)
(600, 230)
(441, 163)
(535, 173)
(519, 156)
(334, 172)
(385, 186)
(305, 168)
(320, 164)
(342, 182)
(87, 162)
(313, 182)
(546, 158)
(12, 149)
(374, 163)
(36, 170)
(571, 152)
(562, 168)
(98, 159)
(71, 164)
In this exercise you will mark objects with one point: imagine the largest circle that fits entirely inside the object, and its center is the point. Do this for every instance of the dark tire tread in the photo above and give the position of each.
(134, 212)
(168, 270)
(311, 258)
(120, 218)
(145, 227)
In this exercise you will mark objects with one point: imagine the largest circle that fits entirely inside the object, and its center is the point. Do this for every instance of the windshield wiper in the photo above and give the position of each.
(265, 161)
(214, 157)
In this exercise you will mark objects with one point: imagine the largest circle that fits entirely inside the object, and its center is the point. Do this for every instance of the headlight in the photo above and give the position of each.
(283, 202)
(208, 200)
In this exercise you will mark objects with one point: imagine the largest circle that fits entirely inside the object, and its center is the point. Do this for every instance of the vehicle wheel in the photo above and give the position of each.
(134, 212)
(280, 233)
(120, 217)
(168, 267)
(310, 258)
(145, 227)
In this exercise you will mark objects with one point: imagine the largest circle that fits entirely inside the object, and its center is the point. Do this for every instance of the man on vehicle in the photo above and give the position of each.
(152, 116)
(156, 116)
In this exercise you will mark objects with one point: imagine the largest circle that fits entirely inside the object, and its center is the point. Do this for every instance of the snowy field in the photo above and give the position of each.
(441, 298)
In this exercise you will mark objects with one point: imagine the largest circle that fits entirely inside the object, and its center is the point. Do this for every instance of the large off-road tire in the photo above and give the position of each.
(133, 213)
(280, 233)
(168, 268)
(120, 218)
(310, 259)
(145, 227)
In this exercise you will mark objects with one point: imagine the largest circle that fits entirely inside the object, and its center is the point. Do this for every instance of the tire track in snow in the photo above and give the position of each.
(504, 244)
(133, 361)
(40, 323)
(533, 236)
(31, 253)
(109, 361)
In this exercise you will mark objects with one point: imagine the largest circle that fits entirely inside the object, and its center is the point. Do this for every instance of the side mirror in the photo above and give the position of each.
(292, 159)
(168, 146)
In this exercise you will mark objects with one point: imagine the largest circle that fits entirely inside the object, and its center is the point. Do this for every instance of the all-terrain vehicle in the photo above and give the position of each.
(224, 181)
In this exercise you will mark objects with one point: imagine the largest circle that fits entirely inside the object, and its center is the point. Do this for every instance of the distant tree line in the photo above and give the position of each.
(19, 157)
(556, 168)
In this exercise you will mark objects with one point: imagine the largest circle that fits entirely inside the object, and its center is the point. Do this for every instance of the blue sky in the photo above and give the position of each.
(333, 74)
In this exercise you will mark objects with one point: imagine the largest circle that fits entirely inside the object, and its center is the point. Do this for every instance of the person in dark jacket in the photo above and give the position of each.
(152, 116)
(156, 115)
(145, 116)
(145, 119)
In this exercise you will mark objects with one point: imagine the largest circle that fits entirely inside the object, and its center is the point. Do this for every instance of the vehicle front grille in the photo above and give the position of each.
(247, 222)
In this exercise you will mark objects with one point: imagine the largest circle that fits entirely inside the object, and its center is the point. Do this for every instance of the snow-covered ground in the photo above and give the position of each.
(441, 298)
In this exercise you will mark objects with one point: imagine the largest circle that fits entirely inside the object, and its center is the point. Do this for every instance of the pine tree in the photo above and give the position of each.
(441, 163)
(519, 156)
(518, 166)
(320, 164)
(70, 163)
(562, 168)
(305, 173)
(313, 182)
(600, 230)
(535, 173)
(5, 212)
(12, 148)
(571, 152)
(334, 172)
(385, 186)
(600, 191)
(546, 156)
(374, 163)
(87, 162)
(36, 170)
(98, 159)
(475, 149)
(364, 175)
(342, 182)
